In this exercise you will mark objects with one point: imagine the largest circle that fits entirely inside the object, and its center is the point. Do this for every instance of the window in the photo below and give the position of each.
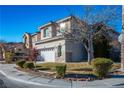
(19, 49)
(46, 32)
(62, 27)
(59, 50)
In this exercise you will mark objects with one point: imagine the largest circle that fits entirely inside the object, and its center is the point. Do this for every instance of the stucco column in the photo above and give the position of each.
(122, 45)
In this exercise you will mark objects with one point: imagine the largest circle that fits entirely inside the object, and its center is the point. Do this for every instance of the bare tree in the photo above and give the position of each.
(122, 44)
(32, 56)
(83, 29)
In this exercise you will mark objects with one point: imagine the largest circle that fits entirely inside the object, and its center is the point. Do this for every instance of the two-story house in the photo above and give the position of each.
(51, 44)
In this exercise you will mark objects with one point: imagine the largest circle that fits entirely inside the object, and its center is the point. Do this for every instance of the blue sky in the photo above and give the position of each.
(16, 20)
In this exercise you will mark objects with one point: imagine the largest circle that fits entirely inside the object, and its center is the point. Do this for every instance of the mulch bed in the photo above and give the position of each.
(52, 75)
(117, 72)
(68, 77)
(79, 79)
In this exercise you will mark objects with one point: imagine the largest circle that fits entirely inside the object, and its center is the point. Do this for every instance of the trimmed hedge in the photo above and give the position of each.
(102, 66)
(20, 63)
(28, 65)
(60, 71)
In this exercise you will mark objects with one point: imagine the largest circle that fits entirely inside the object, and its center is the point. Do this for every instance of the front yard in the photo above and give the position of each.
(73, 71)
(79, 68)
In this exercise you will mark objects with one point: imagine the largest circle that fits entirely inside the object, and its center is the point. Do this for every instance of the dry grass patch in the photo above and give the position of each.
(116, 66)
(82, 67)
(76, 65)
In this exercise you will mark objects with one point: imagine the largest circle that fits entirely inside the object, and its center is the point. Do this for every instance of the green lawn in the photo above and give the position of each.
(80, 68)
(69, 65)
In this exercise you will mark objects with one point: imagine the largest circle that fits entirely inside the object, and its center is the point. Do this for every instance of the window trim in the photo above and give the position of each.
(45, 33)
(59, 50)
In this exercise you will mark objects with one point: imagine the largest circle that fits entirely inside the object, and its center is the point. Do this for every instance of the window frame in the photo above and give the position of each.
(46, 32)
(59, 51)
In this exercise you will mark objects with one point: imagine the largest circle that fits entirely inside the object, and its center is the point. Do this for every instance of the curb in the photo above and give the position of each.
(24, 81)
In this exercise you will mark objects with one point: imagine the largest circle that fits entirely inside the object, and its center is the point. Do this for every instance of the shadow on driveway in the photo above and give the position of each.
(121, 84)
(2, 85)
(80, 76)
(116, 76)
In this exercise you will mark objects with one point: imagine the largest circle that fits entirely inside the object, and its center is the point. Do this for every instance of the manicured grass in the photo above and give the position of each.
(49, 66)
(69, 65)
(80, 68)
(78, 65)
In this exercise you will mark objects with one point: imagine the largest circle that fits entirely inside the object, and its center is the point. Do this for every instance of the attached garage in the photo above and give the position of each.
(48, 54)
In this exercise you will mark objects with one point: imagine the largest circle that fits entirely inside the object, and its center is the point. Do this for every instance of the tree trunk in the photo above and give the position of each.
(122, 44)
(122, 51)
(90, 49)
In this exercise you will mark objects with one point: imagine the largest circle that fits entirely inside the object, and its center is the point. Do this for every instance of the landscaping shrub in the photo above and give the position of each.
(28, 65)
(20, 63)
(102, 66)
(9, 57)
(60, 71)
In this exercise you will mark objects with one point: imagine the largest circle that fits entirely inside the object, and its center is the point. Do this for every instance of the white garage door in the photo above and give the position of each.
(48, 55)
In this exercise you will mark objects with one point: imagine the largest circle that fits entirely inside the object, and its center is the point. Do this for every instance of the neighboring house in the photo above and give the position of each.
(51, 44)
(17, 48)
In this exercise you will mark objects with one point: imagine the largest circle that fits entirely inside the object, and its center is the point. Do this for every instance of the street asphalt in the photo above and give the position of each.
(8, 83)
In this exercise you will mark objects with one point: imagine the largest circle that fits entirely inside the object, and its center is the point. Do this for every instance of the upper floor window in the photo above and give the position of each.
(62, 27)
(46, 32)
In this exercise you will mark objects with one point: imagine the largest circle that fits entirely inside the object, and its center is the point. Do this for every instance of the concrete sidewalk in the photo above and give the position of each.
(11, 72)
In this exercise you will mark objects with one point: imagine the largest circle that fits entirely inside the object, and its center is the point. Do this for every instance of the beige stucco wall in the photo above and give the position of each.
(77, 50)
(54, 44)
(54, 29)
(38, 36)
(34, 38)
(67, 26)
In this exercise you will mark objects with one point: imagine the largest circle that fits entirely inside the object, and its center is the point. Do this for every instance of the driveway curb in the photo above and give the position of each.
(24, 81)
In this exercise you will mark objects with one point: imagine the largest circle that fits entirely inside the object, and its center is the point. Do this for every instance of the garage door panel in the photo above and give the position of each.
(48, 55)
